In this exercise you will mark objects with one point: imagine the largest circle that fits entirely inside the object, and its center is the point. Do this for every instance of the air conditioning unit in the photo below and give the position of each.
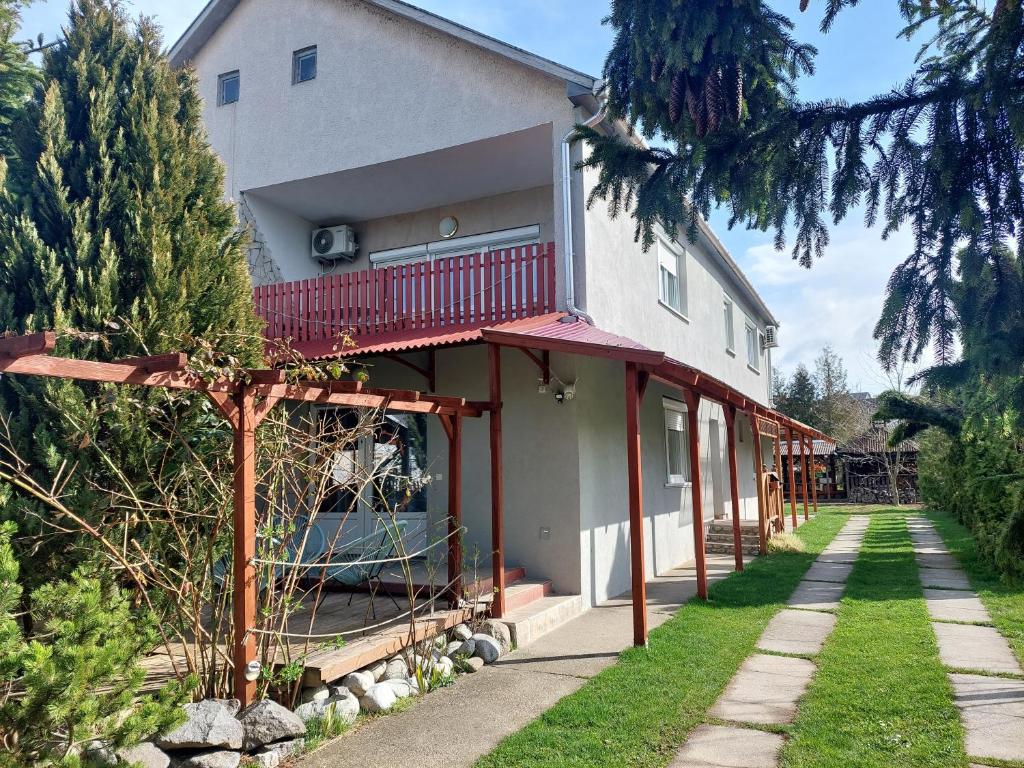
(771, 336)
(334, 244)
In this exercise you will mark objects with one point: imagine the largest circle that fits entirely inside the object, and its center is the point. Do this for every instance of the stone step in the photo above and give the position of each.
(726, 538)
(524, 592)
(726, 549)
(532, 621)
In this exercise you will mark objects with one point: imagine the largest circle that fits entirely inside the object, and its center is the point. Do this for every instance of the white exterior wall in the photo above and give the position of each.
(386, 88)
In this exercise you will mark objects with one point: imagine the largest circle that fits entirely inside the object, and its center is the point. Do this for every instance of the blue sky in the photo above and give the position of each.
(837, 301)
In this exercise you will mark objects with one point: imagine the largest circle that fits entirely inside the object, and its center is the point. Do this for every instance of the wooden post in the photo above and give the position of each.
(814, 480)
(244, 571)
(781, 509)
(497, 484)
(803, 474)
(634, 474)
(693, 428)
(792, 476)
(734, 484)
(762, 502)
(455, 510)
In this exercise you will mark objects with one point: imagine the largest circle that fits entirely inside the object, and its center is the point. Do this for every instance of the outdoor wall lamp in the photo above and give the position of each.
(252, 671)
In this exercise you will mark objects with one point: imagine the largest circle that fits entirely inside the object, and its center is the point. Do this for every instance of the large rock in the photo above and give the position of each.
(231, 705)
(401, 688)
(218, 758)
(210, 725)
(377, 670)
(359, 683)
(380, 698)
(499, 632)
(462, 632)
(486, 648)
(472, 664)
(467, 648)
(272, 755)
(445, 666)
(346, 707)
(267, 721)
(146, 754)
(318, 693)
(397, 669)
(453, 648)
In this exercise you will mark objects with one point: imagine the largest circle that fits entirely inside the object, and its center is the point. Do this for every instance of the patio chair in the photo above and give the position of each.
(361, 562)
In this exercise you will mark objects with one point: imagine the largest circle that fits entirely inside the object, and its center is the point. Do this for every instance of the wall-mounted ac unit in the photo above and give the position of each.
(334, 244)
(771, 336)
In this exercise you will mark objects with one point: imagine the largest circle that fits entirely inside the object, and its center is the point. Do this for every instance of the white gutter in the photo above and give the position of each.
(567, 211)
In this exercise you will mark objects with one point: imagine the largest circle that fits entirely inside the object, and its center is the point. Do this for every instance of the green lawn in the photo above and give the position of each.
(1004, 601)
(638, 712)
(880, 697)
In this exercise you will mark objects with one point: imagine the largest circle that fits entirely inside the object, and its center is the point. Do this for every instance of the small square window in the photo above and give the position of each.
(229, 86)
(304, 65)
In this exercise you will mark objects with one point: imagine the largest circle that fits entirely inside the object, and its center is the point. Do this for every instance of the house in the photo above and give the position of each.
(877, 472)
(410, 181)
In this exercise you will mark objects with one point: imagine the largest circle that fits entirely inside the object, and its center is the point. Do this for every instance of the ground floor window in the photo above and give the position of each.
(677, 443)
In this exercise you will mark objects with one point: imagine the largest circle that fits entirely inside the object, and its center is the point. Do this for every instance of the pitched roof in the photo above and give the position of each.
(213, 15)
(875, 441)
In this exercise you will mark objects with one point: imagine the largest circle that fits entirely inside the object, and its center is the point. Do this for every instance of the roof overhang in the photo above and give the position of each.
(213, 15)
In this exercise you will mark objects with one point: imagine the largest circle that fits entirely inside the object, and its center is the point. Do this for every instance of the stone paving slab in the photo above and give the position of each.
(717, 746)
(944, 578)
(968, 646)
(955, 605)
(792, 631)
(937, 560)
(826, 571)
(992, 710)
(838, 557)
(817, 595)
(765, 690)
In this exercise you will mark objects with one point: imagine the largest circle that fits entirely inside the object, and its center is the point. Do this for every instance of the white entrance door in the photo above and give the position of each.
(379, 474)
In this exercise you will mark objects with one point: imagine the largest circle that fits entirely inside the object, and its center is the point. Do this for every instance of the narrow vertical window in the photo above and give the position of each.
(672, 277)
(304, 65)
(730, 331)
(753, 347)
(677, 445)
(229, 87)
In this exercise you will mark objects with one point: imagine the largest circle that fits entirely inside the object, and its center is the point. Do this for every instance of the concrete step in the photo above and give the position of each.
(726, 549)
(524, 592)
(532, 621)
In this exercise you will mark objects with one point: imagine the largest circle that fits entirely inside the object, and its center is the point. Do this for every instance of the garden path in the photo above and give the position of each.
(764, 692)
(987, 680)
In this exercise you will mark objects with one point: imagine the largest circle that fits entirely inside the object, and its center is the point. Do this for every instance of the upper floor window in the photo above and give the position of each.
(753, 346)
(730, 329)
(229, 87)
(304, 65)
(677, 443)
(672, 277)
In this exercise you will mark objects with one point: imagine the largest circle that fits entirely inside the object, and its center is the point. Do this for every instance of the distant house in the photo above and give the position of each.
(876, 472)
(409, 181)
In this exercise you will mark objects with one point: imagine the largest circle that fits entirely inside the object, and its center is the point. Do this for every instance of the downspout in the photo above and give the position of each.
(567, 212)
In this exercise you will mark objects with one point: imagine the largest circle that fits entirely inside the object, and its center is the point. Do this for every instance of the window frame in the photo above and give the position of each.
(752, 335)
(676, 412)
(677, 269)
(729, 317)
(297, 57)
(226, 77)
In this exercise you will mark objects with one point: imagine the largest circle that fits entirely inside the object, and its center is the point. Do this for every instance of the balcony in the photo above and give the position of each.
(449, 294)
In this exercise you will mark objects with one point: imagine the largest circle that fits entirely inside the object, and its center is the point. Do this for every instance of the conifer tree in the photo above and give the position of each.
(941, 154)
(17, 75)
(801, 398)
(112, 221)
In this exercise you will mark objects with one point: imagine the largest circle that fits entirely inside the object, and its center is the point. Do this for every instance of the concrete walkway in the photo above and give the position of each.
(766, 689)
(456, 726)
(980, 661)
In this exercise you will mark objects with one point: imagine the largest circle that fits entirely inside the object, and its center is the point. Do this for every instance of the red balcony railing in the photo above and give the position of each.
(455, 292)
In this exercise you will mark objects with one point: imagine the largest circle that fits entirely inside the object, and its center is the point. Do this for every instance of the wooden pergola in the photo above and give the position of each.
(244, 403)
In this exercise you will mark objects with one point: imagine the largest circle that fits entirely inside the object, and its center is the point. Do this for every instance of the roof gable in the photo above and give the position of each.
(213, 15)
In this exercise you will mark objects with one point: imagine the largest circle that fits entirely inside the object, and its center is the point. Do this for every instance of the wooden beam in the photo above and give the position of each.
(227, 406)
(497, 482)
(111, 373)
(12, 347)
(175, 361)
(244, 597)
(762, 502)
(429, 372)
(734, 484)
(455, 510)
(777, 442)
(634, 473)
(814, 478)
(543, 362)
(325, 393)
(692, 400)
(446, 425)
(803, 475)
(792, 476)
